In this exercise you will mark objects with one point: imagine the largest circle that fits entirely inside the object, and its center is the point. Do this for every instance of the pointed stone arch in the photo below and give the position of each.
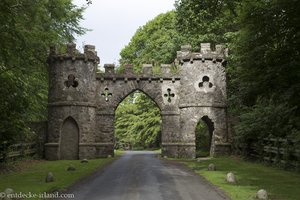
(69, 140)
(152, 92)
(154, 98)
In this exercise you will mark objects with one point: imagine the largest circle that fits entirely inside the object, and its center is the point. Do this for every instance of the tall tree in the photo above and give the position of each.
(28, 28)
(265, 76)
(211, 21)
(156, 42)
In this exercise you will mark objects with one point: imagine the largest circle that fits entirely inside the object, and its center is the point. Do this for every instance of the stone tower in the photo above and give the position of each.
(72, 90)
(203, 95)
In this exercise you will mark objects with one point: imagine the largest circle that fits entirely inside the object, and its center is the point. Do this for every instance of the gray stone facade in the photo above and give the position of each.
(82, 103)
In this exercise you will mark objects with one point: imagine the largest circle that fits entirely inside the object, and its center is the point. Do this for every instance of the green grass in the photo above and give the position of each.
(158, 151)
(119, 152)
(202, 154)
(281, 185)
(32, 178)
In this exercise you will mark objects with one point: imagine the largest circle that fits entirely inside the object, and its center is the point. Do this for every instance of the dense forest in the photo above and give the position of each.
(263, 71)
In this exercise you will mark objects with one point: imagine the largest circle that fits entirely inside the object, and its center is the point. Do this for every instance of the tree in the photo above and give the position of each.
(27, 29)
(156, 42)
(137, 122)
(211, 21)
(265, 75)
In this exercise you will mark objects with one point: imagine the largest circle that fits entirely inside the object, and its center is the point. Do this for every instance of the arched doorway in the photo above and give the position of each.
(69, 140)
(203, 136)
(137, 123)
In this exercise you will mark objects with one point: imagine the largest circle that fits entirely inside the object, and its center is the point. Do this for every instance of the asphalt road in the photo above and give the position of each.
(142, 176)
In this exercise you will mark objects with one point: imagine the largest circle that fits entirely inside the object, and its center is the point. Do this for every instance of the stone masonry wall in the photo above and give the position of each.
(196, 90)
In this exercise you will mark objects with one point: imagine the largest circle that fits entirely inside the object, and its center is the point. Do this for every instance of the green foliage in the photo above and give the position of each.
(202, 139)
(267, 50)
(137, 122)
(155, 43)
(264, 77)
(206, 20)
(27, 29)
(264, 119)
(192, 22)
(13, 100)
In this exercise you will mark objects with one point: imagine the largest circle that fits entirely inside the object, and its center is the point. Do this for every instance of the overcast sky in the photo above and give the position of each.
(114, 22)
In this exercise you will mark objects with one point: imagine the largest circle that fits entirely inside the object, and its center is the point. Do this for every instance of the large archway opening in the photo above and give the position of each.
(203, 134)
(137, 123)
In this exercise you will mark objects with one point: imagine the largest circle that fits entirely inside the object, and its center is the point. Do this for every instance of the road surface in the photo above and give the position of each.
(141, 175)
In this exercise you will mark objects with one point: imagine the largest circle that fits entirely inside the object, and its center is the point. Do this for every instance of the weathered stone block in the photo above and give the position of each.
(49, 177)
(262, 194)
(71, 168)
(230, 178)
(211, 167)
(109, 69)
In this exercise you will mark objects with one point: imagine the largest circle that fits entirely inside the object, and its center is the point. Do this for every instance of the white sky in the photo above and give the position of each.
(114, 22)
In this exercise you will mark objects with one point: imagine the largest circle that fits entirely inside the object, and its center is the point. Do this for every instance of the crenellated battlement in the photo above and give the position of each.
(71, 53)
(206, 53)
(162, 69)
(147, 70)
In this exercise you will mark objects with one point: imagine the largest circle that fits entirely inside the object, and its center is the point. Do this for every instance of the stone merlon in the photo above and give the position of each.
(206, 53)
(72, 53)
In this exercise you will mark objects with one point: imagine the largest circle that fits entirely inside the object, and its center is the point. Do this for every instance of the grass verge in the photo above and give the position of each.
(281, 185)
(32, 177)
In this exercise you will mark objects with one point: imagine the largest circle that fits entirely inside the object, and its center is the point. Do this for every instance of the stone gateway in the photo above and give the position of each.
(82, 102)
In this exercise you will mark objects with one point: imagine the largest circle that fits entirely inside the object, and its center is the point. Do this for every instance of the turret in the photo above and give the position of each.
(203, 93)
(71, 113)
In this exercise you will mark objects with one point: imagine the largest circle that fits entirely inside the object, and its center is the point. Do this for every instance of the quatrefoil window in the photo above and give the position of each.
(71, 81)
(169, 95)
(106, 94)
